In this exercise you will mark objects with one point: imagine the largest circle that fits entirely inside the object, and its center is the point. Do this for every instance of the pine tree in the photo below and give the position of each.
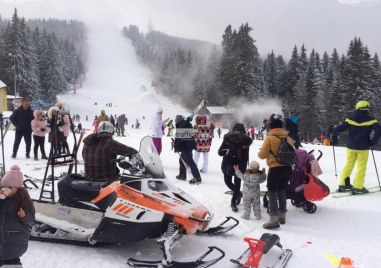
(52, 74)
(247, 66)
(271, 76)
(227, 62)
(337, 105)
(288, 94)
(309, 92)
(356, 74)
(376, 86)
(303, 59)
(213, 82)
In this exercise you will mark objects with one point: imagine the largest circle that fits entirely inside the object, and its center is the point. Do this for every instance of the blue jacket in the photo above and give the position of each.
(360, 126)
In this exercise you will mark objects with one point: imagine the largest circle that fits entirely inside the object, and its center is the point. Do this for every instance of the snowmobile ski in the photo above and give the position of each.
(252, 257)
(199, 263)
(221, 228)
(372, 190)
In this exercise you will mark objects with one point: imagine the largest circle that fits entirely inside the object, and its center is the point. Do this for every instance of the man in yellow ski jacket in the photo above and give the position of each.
(363, 133)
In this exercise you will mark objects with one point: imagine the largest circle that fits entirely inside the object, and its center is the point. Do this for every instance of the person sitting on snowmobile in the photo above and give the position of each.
(98, 151)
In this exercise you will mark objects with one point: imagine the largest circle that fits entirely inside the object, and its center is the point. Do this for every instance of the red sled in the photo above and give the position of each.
(315, 190)
(252, 257)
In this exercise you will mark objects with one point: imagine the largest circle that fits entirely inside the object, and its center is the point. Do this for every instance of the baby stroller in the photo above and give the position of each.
(300, 178)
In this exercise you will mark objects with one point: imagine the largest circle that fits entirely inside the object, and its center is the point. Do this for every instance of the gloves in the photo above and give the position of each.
(42, 129)
(5, 192)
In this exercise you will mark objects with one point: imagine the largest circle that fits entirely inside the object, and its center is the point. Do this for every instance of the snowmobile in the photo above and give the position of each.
(261, 253)
(140, 204)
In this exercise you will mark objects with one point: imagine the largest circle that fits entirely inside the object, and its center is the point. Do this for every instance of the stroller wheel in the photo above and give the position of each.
(296, 203)
(309, 207)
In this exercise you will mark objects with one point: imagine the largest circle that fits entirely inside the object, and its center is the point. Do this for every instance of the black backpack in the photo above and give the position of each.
(286, 153)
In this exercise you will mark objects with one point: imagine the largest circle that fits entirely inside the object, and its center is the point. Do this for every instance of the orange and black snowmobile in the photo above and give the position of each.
(140, 204)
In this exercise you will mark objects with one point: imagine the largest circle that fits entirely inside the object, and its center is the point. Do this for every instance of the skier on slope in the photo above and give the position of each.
(363, 132)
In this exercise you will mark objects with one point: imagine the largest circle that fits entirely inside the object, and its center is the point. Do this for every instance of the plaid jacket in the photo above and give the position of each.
(97, 153)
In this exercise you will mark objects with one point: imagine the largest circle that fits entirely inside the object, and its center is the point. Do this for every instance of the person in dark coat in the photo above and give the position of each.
(55, 122)
(363, 132)
(120, 125)
(219, 131)
(184, 144)
(292, 126)
(99, 149)
(235, 151)
(17, 216)
(21, 118)
(112, 120)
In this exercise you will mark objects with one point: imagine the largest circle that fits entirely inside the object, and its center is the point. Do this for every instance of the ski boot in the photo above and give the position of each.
(363, 190)
(347, 187)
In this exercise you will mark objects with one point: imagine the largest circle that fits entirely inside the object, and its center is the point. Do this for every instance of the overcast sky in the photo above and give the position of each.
(278, 24)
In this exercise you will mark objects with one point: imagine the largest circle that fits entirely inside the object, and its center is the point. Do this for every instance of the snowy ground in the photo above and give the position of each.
(342, 226)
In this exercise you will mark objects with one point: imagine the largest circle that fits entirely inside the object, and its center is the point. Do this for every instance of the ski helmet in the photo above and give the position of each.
(106, 127)
(362, 105)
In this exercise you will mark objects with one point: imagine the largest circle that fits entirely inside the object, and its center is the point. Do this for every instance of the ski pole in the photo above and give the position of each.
(334, 159)
(375, 166)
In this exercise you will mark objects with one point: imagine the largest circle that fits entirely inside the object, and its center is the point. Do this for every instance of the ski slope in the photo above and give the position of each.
(348, 226)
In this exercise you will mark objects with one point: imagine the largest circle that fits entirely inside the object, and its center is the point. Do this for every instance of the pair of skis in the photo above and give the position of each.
(372, 190)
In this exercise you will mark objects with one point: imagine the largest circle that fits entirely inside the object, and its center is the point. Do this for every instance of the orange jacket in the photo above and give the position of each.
(271, 146)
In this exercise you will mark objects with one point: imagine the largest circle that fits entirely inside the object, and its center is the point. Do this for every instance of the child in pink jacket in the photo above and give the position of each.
(39, 129)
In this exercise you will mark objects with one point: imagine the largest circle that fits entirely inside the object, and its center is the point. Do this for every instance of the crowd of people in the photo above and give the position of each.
(190, 142)
(364, 132)
(36, 123)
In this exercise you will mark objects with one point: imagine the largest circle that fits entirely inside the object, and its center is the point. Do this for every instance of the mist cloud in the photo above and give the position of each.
(278, 24)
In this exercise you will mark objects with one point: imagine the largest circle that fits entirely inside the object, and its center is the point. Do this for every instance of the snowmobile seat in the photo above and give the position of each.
(75, 187)
(270, 240)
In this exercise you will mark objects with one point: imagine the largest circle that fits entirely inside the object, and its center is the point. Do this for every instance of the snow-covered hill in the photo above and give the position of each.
(347, 226)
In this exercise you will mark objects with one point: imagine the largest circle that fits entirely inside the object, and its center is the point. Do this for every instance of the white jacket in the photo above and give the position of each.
(157, 126)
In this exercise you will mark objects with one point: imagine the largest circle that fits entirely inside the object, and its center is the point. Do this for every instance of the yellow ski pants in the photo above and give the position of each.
(361, 156)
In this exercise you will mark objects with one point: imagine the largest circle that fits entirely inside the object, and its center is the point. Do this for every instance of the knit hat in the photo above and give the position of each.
(13, 178)
(159, 110)
(254, 166)
(240, 128)
(276, 123)
(179, 118)
(201, 119)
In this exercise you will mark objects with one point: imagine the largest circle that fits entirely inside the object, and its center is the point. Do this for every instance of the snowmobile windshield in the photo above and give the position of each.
(151, 159)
